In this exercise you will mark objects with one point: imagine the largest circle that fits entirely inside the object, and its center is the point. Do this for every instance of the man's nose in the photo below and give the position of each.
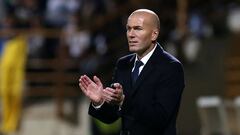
(131, 33)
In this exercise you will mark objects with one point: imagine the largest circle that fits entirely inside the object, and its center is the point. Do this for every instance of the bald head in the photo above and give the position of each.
(151, 17)
(143, 28)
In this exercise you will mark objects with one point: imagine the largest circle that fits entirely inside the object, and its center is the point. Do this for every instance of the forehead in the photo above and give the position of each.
(135, 20)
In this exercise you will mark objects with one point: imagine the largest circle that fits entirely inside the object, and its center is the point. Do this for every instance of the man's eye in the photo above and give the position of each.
(138, 28)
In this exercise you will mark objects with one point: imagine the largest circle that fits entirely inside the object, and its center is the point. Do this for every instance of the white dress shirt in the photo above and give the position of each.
(144, 59)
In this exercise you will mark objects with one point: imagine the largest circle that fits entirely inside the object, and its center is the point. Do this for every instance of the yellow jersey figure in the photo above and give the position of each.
(12, 67)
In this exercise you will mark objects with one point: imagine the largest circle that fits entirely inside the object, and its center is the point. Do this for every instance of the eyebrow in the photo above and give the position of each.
(137, 26)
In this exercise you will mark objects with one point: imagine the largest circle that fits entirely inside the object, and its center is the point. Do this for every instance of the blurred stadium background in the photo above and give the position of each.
(67, 38)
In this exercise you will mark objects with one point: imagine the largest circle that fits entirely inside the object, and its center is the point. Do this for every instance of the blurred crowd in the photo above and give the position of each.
(99, 25)
(92, 32)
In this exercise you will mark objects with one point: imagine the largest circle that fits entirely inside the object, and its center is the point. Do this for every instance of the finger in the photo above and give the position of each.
(97, 81)
(107, 97)
(111, 100)
(118, 85)
(117, 95)
(108, 101)
(110, 90)
(82, 80)
(83, 89)
(112, 93)
(83, 84)
(86, 80)
(116, 91)
(119, 89)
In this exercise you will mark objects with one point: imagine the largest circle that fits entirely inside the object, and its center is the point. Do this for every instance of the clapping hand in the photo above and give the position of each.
(114, 95)
(93, 89)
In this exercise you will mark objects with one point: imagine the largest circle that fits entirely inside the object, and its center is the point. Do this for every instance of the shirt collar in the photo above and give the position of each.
(146, 57)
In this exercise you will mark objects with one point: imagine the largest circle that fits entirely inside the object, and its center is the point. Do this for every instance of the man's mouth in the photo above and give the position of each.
(132, 42)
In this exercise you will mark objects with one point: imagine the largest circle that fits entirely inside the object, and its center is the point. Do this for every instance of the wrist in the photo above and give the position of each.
(98, 103)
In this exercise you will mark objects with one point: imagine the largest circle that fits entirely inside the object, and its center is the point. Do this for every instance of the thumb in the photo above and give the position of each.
(97, 81)
(118, 85)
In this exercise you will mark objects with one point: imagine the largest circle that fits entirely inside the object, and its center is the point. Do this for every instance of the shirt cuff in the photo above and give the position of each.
(97, 106)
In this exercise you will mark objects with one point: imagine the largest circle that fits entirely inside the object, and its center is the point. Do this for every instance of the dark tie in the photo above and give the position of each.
(135, 72)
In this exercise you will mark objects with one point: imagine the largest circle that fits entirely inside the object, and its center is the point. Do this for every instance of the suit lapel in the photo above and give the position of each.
(148, 69)
(127, 74)
(144, 74)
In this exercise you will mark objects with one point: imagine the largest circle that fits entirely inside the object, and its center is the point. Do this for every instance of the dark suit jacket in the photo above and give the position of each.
(151, 104)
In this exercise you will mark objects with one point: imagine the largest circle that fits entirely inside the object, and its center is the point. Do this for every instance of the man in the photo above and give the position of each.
(148, 104)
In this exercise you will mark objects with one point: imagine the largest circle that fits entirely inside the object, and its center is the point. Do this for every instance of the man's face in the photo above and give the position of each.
(139, 34)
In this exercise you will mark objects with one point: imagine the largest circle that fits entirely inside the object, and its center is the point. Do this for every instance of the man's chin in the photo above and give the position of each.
(132, 49)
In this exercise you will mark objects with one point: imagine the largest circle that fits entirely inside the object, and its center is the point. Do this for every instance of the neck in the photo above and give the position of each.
(141, 55)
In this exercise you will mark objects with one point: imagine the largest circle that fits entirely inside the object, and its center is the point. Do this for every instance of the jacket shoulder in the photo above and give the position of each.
(171, 63)
(125, 60)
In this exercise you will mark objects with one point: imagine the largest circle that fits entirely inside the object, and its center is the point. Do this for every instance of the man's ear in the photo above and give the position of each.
(155, 35)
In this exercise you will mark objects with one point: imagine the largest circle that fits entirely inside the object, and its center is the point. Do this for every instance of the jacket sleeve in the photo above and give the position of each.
(106, 113)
